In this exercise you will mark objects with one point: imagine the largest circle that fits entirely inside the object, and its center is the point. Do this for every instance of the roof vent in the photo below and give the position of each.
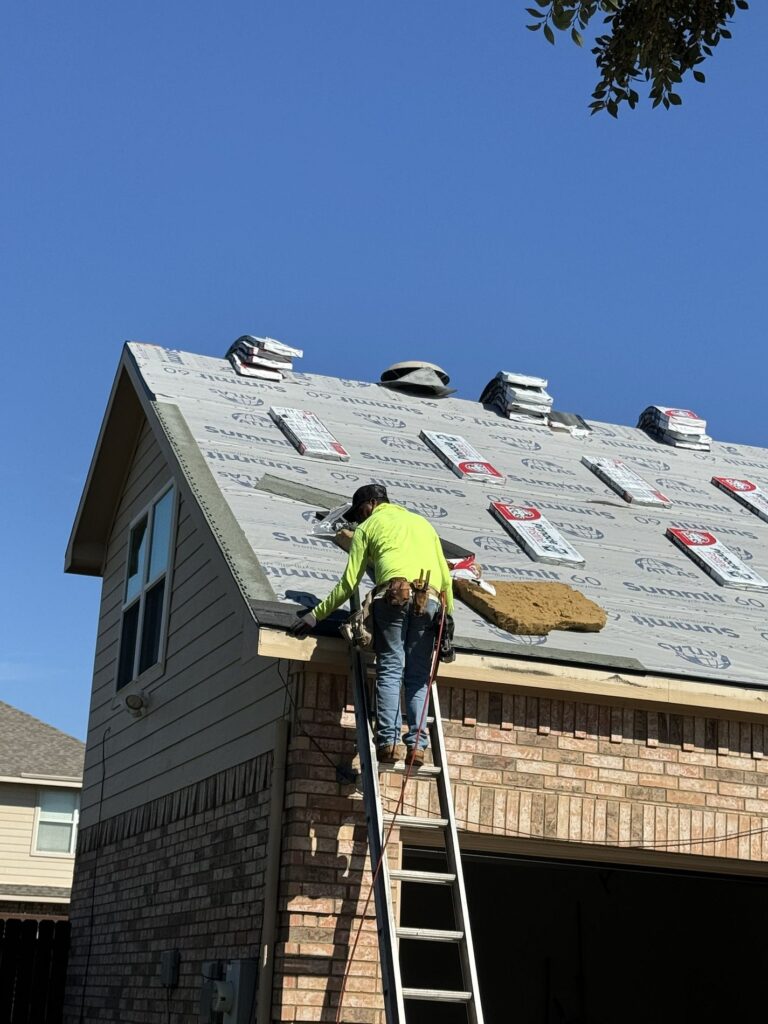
(416, 377)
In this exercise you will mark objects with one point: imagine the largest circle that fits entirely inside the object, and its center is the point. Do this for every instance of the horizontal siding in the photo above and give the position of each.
(18, 866)
(215, 704)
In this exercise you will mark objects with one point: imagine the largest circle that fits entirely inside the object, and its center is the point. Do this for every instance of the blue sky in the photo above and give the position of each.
(371, 182)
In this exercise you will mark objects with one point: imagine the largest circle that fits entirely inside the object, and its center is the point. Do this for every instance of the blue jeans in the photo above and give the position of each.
(404, 643)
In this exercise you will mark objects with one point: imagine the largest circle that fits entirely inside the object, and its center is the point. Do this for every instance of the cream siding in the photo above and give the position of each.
(209, 709)
(18, 864)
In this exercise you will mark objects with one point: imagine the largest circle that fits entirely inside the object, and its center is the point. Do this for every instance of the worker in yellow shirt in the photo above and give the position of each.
(402, 547)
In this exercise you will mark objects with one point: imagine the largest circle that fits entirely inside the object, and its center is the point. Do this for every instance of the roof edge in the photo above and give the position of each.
(109, 467)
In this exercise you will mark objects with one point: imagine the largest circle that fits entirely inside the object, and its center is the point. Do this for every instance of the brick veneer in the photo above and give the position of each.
(183, 872)
(523, 767)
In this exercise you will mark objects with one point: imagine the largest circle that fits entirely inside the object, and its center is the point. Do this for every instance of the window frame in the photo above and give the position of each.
(151, 672)
(60, 854)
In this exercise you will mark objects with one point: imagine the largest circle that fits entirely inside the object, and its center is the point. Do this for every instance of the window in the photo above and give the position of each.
(58, 812)
(146, 589)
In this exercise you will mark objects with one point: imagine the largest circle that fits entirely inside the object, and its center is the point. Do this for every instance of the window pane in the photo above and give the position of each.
(137, 551)
(161, 535)
(54, 837)
(57, 804)
(153, 621)
(128, 645)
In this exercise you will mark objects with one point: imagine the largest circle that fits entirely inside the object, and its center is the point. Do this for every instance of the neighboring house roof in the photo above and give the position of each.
(42, 892)
(29, 747)
(259, 496)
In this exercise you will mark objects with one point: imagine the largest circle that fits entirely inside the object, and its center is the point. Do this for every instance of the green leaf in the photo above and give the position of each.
(562, 19)
(577, 37)
(674, 99)
(699, 76)
(549, 35)
(742, 5)
(534, 13)
(612, 107)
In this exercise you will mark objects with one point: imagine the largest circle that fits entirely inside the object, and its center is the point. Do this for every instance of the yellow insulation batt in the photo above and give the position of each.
(532, 609)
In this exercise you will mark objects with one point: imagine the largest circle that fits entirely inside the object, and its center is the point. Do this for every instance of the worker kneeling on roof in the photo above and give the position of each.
(404, 550)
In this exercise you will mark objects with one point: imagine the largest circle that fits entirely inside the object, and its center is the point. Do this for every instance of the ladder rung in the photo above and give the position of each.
(437, 995)
(407, 821)
(430, 934)
(427, 877)
(400, 768)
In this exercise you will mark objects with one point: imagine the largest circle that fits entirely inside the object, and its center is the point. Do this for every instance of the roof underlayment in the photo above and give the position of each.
(665, 615)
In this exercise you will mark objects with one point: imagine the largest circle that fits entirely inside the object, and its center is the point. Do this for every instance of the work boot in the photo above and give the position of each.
(389, 753)
(414, 757)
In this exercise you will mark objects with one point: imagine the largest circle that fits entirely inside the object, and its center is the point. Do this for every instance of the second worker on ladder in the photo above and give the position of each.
(404, 550)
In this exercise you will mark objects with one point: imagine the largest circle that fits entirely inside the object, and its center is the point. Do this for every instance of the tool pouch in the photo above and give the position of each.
(420, 596)
(398, 592)
(358, 629)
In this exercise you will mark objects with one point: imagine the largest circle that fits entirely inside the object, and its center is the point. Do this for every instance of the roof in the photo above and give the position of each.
(259, 495)
(29, 747)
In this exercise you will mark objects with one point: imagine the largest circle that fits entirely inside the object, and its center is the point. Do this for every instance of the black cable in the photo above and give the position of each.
(302, 730)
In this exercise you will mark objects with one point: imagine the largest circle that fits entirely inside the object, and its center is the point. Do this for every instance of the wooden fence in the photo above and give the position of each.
(33, 968)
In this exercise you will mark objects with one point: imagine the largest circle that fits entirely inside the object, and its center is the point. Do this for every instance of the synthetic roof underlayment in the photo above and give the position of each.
(665, 614)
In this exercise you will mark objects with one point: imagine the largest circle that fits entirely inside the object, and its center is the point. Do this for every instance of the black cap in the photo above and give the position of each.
(371, 492)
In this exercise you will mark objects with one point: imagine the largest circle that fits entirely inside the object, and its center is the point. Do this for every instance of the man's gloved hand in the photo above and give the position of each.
(448, 626)
(304, 624)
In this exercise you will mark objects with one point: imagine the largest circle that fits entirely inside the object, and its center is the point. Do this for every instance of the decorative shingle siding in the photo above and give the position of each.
(184, 872)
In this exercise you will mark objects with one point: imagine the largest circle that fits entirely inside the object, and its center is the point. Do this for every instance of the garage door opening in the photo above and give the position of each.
(558, 942)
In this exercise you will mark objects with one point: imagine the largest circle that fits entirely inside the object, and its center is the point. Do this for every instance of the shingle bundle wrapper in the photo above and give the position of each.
(264, 358)
(679, 428)
(518, 396)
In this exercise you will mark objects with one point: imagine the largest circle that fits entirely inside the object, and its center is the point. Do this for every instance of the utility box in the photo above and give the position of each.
(242, 974)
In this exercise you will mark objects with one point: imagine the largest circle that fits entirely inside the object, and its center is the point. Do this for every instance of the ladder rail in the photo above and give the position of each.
(385, 919)
(453, 856)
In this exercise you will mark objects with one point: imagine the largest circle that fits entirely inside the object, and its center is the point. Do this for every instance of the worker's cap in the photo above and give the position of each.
(370, 492)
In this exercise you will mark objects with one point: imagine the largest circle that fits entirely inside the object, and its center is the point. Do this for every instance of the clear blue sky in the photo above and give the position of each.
(370, 182)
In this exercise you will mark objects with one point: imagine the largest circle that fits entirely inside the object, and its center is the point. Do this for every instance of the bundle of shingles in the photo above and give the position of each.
(518, 396)
(264, 358)
(680, 428)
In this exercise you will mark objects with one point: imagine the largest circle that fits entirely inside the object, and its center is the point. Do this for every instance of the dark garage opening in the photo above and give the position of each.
(560, 942)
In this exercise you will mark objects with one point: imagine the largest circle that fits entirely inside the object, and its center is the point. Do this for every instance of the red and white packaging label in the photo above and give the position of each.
(716, 559)
(744, 491)
(461, 457)
(684, 420)
(308, 434)
(625, 481)
(535, 534)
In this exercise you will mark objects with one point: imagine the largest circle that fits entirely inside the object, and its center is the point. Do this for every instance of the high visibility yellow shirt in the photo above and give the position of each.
(398, 543)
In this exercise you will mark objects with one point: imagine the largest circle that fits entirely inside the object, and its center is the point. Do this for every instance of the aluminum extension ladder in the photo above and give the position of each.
(395, 995)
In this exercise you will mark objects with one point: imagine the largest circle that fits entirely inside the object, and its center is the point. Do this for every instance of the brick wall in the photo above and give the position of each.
(523, 767)
(186, 872)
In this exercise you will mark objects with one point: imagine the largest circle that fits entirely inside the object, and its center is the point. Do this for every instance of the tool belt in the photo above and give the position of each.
(399, 591)
(358, 629)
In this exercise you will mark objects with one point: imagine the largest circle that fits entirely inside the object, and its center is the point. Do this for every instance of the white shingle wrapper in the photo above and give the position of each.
(663, 610)
(746, 493)
(461, 457)
(307, 433)
(535, 534)
(717, 559)
(625, 481)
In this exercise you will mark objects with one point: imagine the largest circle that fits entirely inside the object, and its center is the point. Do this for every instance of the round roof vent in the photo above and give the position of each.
(417, 377)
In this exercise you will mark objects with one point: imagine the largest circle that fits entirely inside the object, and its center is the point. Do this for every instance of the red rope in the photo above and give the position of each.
(398, 808)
